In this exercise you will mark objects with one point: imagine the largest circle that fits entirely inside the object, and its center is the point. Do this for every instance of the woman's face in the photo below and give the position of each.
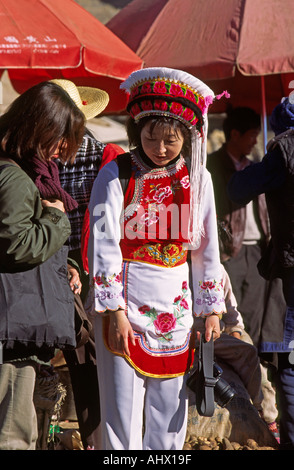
(56, 149)
(162, 145)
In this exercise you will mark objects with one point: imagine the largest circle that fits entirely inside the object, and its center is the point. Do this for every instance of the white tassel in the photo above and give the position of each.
(198, 164)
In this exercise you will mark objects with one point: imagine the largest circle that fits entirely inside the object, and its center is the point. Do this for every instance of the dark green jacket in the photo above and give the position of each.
(29, 234)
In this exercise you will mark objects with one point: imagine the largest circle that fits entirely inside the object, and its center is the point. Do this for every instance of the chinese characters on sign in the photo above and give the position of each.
(46, 45)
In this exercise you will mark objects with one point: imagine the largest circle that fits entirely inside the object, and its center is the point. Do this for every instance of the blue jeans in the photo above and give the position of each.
(284, 381)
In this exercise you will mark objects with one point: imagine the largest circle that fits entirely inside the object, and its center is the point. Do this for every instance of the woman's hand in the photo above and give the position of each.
(74, 281)
(120, 331)
(53, 203)
(212, 327)
(236, 334)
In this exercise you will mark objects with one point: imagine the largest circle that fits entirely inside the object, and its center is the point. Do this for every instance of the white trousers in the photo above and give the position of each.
(131, 402)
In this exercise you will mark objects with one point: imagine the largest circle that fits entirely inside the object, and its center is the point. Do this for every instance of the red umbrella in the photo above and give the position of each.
(229, 44)
(44, 39)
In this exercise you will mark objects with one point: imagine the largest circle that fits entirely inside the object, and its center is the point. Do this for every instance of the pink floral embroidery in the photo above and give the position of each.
(188, 114)
(143, 309)
(207, 285)
(184, 304)
(146, 88)
(135, 109)
(101, 280)
(210, 287)
(159, 88)
(135, 92)
(190, 95)
(160, 105)
(165, 322)
(185, 182)
(146, 105)
(107, 281)
(162, 193)
(149, 218)
(108, 288)
(210, 296)
(204, 103)
(176, 108)
(176, 90)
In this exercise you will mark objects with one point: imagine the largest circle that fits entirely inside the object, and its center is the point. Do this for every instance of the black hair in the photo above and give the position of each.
(40, 119)
(134, 130)
(241, 119)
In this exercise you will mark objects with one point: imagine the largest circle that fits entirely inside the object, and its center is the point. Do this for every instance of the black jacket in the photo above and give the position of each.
(232, 214)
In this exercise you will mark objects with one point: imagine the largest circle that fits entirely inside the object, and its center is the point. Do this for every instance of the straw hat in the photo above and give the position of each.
(91, 101)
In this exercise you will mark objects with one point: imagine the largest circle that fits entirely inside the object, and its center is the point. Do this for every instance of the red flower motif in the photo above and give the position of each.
(165, 322)
(143, 309)
(146, 105)
(208, 285)
(176, 90)
(134, 92)
(160, 105)
(146, 88)
(159, 88)
(188, 114)
(135, 109)
(184, 304)
(190, 96)
(97, 280)
(184, 285)
(177, 299)
(203, 104)
(101, 280)
(176, 108)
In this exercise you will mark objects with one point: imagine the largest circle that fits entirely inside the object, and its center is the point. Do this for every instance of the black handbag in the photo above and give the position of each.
(83, 325)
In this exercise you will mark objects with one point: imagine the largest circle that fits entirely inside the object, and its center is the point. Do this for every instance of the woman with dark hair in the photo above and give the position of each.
(36, 299)
(148, 209)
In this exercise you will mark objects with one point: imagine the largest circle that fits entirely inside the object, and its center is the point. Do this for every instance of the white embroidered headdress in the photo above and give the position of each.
(161, 91)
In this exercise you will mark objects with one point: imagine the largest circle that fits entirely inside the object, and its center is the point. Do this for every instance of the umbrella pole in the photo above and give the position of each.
(264, 116)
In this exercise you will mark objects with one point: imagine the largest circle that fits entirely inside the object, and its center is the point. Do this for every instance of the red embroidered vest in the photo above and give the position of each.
(156, 214)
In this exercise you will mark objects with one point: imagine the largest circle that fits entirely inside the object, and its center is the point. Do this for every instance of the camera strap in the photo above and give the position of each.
(206, 358)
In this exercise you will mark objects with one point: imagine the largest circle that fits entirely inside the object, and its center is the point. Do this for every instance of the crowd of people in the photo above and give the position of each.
(161, 243)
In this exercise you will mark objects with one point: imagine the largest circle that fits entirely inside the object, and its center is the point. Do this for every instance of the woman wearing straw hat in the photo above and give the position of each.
(138, 249)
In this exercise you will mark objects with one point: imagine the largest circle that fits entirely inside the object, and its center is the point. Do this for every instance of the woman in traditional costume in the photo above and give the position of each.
(154, 262)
